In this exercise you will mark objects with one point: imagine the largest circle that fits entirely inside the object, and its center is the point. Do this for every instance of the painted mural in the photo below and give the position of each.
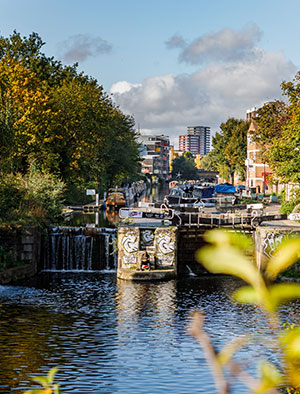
(128, 248)
(158, 243)
(274, 238)
(130, 243)
(146, 238)
(165, 240)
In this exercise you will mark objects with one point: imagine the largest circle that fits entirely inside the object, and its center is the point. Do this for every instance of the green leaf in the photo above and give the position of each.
(225, 237)
(35, 391)
(51, 374)
(42, 380)
(228, 260)
(286, 255)
(291, 340)
(270, 378)
(283, 292)
(247, 295)
(56, 388)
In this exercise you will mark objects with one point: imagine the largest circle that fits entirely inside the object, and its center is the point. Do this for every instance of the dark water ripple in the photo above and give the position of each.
(109, 336)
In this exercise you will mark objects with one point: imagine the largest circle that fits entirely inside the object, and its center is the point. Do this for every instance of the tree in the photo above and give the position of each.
(270, 121)
(25, 116)
(284, 155)
(185, 166)
(59, 121)
(27, 52)
(230, 149)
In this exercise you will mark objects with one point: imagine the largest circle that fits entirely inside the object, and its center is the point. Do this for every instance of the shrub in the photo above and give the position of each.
(289, 206)
(30, 199)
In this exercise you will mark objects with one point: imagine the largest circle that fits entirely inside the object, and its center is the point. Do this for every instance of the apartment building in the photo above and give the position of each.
(155, 155)
(197, 140)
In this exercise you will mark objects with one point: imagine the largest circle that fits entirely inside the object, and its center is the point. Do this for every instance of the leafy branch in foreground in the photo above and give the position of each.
(225, 255)
(47, 382)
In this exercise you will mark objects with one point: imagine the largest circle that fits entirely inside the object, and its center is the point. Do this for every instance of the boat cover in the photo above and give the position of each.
(225, 188)
(207, 192)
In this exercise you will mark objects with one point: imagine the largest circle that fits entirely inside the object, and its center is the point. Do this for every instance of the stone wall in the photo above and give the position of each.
(25, 245)
(267, 238)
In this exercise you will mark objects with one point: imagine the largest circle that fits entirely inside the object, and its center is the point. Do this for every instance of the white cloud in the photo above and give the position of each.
(167, 104)
(82, 46)
(122, 87)
(224, 45)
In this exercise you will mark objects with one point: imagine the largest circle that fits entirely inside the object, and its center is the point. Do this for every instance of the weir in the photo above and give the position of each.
(79, 249)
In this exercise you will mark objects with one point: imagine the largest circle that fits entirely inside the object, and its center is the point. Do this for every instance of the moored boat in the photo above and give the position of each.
(115, 199)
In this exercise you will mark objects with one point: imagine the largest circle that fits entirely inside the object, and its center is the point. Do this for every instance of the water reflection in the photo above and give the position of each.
(138, 300)
(108, 336)
(113, 217)
(92, 219)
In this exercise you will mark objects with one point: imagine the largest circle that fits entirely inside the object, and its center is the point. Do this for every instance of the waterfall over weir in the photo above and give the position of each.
(80, 248)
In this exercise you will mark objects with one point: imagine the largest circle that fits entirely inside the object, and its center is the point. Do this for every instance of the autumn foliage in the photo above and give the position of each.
(60, 122)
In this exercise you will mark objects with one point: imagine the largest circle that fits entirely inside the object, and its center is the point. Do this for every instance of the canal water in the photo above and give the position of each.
(111, 336)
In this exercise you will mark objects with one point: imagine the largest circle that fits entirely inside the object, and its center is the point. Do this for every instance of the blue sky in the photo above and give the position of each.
(170, 63)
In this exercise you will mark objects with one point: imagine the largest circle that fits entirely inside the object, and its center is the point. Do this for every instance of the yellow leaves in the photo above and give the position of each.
(271, 298)
(291, 341)
(286, 255)
(223, 237)
(46, 382)
(39, 391)
(247, 295)
(282, 293)
(74, 165)
(224, 255)
(225, 258)
(53, 137)
(270, 378)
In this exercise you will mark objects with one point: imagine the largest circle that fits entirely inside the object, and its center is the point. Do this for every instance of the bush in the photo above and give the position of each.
(30, 199)
(288, 206)
(11, 194)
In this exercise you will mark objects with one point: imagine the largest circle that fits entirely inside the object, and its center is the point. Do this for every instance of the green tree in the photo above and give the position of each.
(284, 154)
(27, 52)
(60, 121)
(185, 166)
(270, 121)
(230, 149)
